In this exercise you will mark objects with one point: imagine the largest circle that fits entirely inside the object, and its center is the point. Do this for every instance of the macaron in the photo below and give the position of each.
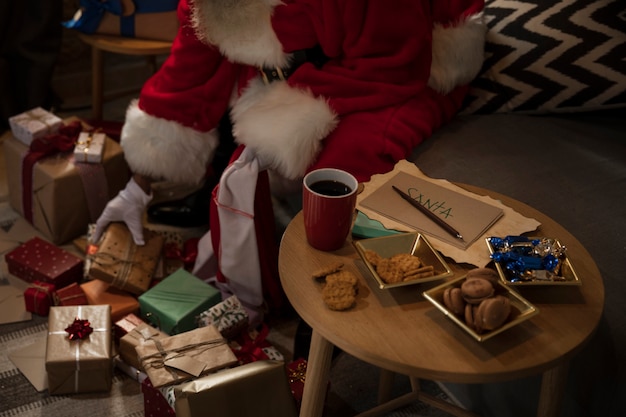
(476, 290)
(489, 274)
(453, 300)
(469, 313)
(492, 313)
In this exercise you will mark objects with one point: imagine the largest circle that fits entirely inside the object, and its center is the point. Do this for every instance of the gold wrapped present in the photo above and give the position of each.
(79, 349)
(185, 356)
(140, 335)
(122, 263)
(66, 196)
(263, 384)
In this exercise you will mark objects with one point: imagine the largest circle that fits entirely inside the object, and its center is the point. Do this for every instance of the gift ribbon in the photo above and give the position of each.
(159, 359)
(62, 141)
(187, 255)
(106, 260)
(77, 344)
(39, 288)
(251, 349)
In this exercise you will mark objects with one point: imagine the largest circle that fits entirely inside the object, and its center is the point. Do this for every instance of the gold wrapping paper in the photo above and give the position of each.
(123, 264)
(263, 384)
(185, 356)
(85, 365)
(60, 208)
(140, 335)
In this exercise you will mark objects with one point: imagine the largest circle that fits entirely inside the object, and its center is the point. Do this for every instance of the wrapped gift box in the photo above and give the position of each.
(70, 295)
(185, 356)
(125, 325)
(228, 316)
(174, 302)
(129, 370)
(123, 264)
(121, 302)
(140, 335)
(62, 205)
(89, 147)
(38, 260)
(76, 364)
(34, 123)
(39, 297)
(154, 403)
(263, 385)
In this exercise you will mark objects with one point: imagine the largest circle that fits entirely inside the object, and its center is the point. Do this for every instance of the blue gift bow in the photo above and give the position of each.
(93, 11)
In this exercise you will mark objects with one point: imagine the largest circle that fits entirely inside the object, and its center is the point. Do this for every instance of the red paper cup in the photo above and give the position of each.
(328, 204)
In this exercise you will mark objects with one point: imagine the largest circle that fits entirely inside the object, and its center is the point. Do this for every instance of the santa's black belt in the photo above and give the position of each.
(313, 55)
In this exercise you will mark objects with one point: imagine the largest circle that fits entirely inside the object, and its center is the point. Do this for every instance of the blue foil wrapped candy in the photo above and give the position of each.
(523, 257)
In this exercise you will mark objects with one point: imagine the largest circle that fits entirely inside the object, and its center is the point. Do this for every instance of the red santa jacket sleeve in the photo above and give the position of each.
(170, 132)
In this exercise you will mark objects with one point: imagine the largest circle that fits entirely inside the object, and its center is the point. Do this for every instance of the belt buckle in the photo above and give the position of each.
(270, 75)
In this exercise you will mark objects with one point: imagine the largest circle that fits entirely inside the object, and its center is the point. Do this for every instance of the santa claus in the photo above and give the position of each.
(350, 84)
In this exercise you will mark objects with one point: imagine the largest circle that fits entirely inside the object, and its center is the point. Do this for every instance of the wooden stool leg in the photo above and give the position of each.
(385, 385)
(97, 82)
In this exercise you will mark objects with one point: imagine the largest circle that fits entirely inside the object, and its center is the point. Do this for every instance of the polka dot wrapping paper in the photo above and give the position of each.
(39, 260)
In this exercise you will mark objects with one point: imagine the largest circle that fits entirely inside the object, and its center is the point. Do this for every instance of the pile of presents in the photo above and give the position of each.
(135, 308)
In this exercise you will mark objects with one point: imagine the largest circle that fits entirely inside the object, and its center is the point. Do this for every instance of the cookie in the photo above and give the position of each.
(339, 295)
(342, 276)
(390, 272)
(477, 289)
(327, 270)
(485, 273)
(492, 313)
(372, 257)
(453, 300)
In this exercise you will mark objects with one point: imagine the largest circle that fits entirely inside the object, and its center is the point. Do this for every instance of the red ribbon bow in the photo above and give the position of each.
(79, 329)
(251, 349)
(62, 141)
(187, 255)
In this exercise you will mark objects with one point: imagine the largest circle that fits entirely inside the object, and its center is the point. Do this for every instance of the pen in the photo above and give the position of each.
(428, 213)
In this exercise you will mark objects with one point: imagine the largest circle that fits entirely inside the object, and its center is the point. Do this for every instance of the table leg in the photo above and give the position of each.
(385, 385)
(552, 389)
(317, 372)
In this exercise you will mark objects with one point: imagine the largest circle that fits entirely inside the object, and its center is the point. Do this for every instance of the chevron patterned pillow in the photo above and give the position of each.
(551, 56)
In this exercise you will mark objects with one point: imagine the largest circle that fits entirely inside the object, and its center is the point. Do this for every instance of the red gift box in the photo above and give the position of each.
(71, 295)
(126, 325)
(38, 260)
(296, 374)
(154, 403)
(252, 346)
(39, 297)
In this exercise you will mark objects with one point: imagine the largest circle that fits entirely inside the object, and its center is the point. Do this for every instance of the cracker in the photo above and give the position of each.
(322, 273)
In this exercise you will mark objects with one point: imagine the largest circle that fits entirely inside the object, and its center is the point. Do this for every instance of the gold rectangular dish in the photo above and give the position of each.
(521, 309)
(410, 243)
(566, 274)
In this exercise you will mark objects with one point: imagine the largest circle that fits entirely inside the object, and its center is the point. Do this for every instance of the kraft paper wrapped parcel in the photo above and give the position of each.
(79, 349)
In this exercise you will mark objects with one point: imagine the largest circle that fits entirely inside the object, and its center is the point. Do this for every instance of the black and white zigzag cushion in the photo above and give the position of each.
(552, 56)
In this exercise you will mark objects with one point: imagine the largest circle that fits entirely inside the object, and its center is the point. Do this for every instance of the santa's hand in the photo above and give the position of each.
(128, 207)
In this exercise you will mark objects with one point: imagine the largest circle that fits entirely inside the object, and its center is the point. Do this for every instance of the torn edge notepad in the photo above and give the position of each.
(509, 222)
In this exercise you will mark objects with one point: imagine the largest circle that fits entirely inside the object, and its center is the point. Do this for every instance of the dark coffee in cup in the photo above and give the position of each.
(330, 188)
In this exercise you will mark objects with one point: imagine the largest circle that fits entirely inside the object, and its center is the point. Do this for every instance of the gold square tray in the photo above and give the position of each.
(413, 243)
(567, 271)
(521, 309)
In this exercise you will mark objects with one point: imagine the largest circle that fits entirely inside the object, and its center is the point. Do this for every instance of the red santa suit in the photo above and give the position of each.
(393, 72)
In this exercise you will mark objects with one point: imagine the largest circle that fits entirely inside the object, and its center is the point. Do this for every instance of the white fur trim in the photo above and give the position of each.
(163, 149)
(241, 29)
(283, 125)
(458, 53)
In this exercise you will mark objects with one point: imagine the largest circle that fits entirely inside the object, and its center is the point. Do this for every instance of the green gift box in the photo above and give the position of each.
(174, 303)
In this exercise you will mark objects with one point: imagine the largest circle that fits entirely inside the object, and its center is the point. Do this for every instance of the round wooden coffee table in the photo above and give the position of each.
(399, 331)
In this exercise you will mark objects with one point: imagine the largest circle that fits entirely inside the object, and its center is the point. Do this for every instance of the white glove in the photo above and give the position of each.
(128, 206)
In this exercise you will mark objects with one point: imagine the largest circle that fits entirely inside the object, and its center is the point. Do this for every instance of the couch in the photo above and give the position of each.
(545, 123)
